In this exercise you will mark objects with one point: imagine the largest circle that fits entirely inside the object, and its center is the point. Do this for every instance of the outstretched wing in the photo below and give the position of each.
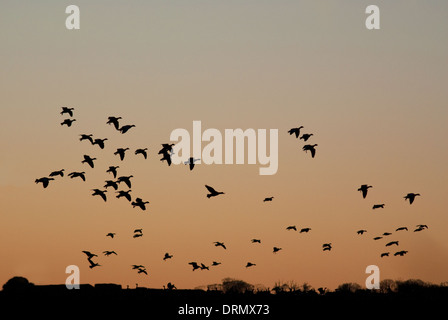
(210, 189)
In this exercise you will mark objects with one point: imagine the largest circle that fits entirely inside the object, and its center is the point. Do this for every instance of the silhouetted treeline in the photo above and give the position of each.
(284, 299)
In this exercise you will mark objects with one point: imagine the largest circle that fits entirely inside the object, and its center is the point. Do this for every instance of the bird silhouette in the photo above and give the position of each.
(310, 147)
(57, 173)
(93, 264)
(291, 228)
(377, 238)
(361, 231)
(125, 194)
(138, 230)
(219, 244)
(86, 137)
(392, 243)
(305, 230)
(411, 197)
(166, 157)
(204, 267)
(191, 162)
(88, 160)
(268, 199)
(126, 128)
(126, 180)
(400, 253)
(121, 152)
(142, 152)
(110, 234)
(377, 206)
(363, 188)
(108, 253)
(194, 265)
(295, 131)
(250, 264)
(166, 148)
(276, 249)
(44, 180)
(326, 247)
(142, 270)
(137, 235)
(167, 256)
(111, 183)
(113, 170)
(101, 193)
(385, 254)
(68, 122)
(139, 202)
(214, 263)
(402, 228)
(67, 110)
(213, 192)
(387, 234)
(419, 229)
(99, 142)
(422, 226)
(255, 241)
(306, 136)
(114, 121)
(137, 266)
(89, 254)
(77, 174)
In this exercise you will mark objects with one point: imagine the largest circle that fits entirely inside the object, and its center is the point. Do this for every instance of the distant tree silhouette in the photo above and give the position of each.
(230, 285)
(348, 287)
(16, 284)
(388, 286)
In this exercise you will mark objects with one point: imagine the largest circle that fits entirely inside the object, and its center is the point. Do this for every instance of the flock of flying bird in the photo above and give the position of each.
(166, 151)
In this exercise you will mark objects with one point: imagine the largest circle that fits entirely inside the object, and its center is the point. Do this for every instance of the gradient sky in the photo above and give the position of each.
(376, 102)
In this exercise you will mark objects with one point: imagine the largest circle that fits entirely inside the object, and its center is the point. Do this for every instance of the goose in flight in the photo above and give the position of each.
(363, 188)
(255, 241)
(276, 249)
(422, 226)
(89, 254)
(137, 235)
(68, 122)
(141, 270)
(120, 152)
(400, 253)
(191, 162)
(402, 228)
(310, 147)
(387, 234)
(126, 128)
(194, 265)
(114, 121)
(306, 136)
(142, 152)
(213, 192)
(137, 266)
(93, 264)
(86, 137)
(139, 202)
(411, 197)
(138, 230)
(44, 180)
(361, 231)
(125, 194)
(219, 244)
(110, 234)
(250, 264)
(377, 238)
(166, 148)
(419, 229)
(113, 170)
(167, 157)
(77, 174)
(295, 131)
(108, 253)
(88, 160)
(57, 173)
(268, 199)
(305, 230)
(377, 206)
(101, 193)
(392, 243)
(67, 110)
(126, 180)
(385, 254)
(99, 142)
(214, 263)
(204, 267)
(167, 256)
(326, 247)
(291, 228)
(111, 183)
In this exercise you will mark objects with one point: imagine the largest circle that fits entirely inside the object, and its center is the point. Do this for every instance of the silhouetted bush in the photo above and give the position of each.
(17, 284)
